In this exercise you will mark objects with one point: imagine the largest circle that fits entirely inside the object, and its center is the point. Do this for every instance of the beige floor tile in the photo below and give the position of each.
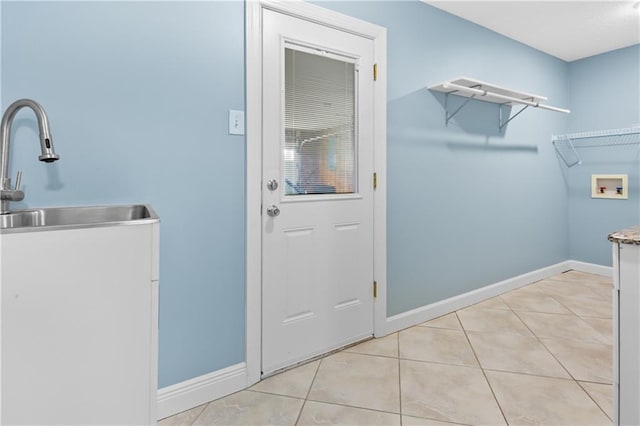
(536, 291)
(186, 418)
(251, 408)
(419, 421)
(436, 345)
(563, 276)
(592, 307)
(493, 303)
(602, 395)
(557, 326)
(582, 276)
(586, 361)
(573, 289)
(528, 301)
(449, 321)
(447, 393)
(532, 400)
(492, 320)
(357, 380)
(604, 326)
(604, 294)
(535, 288)
(320, 413)
(519, 354)
(295, 382)
(606, 284)
(384, 346)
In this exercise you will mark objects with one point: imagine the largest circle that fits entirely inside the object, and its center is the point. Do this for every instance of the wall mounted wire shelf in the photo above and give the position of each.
(568, 145)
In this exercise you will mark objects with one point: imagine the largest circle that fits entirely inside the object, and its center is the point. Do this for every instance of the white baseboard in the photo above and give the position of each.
(591, 268)
(434, 310)
(185, 395)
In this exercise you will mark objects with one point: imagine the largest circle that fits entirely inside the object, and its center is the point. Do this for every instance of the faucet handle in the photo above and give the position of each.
(19, 180)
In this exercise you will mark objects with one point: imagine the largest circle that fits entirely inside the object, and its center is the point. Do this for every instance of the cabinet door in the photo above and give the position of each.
(76, 321)
(629, 335)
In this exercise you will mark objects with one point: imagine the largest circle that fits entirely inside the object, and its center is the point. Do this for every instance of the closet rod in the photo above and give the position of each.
(505, 97)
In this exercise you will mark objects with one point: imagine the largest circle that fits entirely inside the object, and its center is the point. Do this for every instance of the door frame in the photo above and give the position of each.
(253, 78)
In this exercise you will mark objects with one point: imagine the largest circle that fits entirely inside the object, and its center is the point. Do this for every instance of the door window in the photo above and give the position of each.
(319, 150)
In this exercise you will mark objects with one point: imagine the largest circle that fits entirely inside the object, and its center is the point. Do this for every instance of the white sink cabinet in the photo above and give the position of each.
(79, 325)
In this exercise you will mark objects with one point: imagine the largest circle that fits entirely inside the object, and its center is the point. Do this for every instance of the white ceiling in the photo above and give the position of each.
(568, 30)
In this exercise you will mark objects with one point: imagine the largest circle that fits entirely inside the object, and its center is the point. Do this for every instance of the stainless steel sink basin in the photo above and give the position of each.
(74, 217)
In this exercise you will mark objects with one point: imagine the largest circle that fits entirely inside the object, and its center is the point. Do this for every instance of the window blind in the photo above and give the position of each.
(319, 151)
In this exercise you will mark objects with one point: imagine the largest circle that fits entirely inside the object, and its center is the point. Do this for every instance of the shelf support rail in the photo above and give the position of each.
(448, 116)
(501, 124)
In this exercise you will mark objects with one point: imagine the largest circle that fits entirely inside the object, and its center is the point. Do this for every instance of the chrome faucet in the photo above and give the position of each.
(46, 145)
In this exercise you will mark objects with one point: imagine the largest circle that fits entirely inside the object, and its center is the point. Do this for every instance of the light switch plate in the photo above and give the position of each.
(236, 122)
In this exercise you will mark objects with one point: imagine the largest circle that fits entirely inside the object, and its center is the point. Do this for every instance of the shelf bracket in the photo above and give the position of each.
(501, 124)
(573, 148)
(447, 116)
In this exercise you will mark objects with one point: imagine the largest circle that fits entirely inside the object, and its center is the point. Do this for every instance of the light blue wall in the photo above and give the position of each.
(138, 95)
(604, 94)
(467, 206)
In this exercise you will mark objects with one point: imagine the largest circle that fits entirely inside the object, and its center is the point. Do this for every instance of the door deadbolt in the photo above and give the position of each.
(272, 184)
(273, 210)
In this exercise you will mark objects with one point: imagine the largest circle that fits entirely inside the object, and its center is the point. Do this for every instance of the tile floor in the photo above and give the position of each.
(537, 355)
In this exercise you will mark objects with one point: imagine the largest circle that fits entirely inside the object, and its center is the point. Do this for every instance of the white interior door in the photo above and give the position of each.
(317, 193)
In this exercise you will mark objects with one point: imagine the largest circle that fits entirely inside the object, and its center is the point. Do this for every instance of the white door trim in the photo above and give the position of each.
(253, 80)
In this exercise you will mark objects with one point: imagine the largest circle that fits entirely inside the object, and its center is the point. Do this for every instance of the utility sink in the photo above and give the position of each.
(79, 293)
(74, 217)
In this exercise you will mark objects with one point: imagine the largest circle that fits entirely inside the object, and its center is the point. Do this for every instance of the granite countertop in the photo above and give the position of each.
(626, 236)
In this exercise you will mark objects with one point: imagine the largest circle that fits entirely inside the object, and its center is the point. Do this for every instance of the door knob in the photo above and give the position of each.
(273, 210)
(272, 185)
